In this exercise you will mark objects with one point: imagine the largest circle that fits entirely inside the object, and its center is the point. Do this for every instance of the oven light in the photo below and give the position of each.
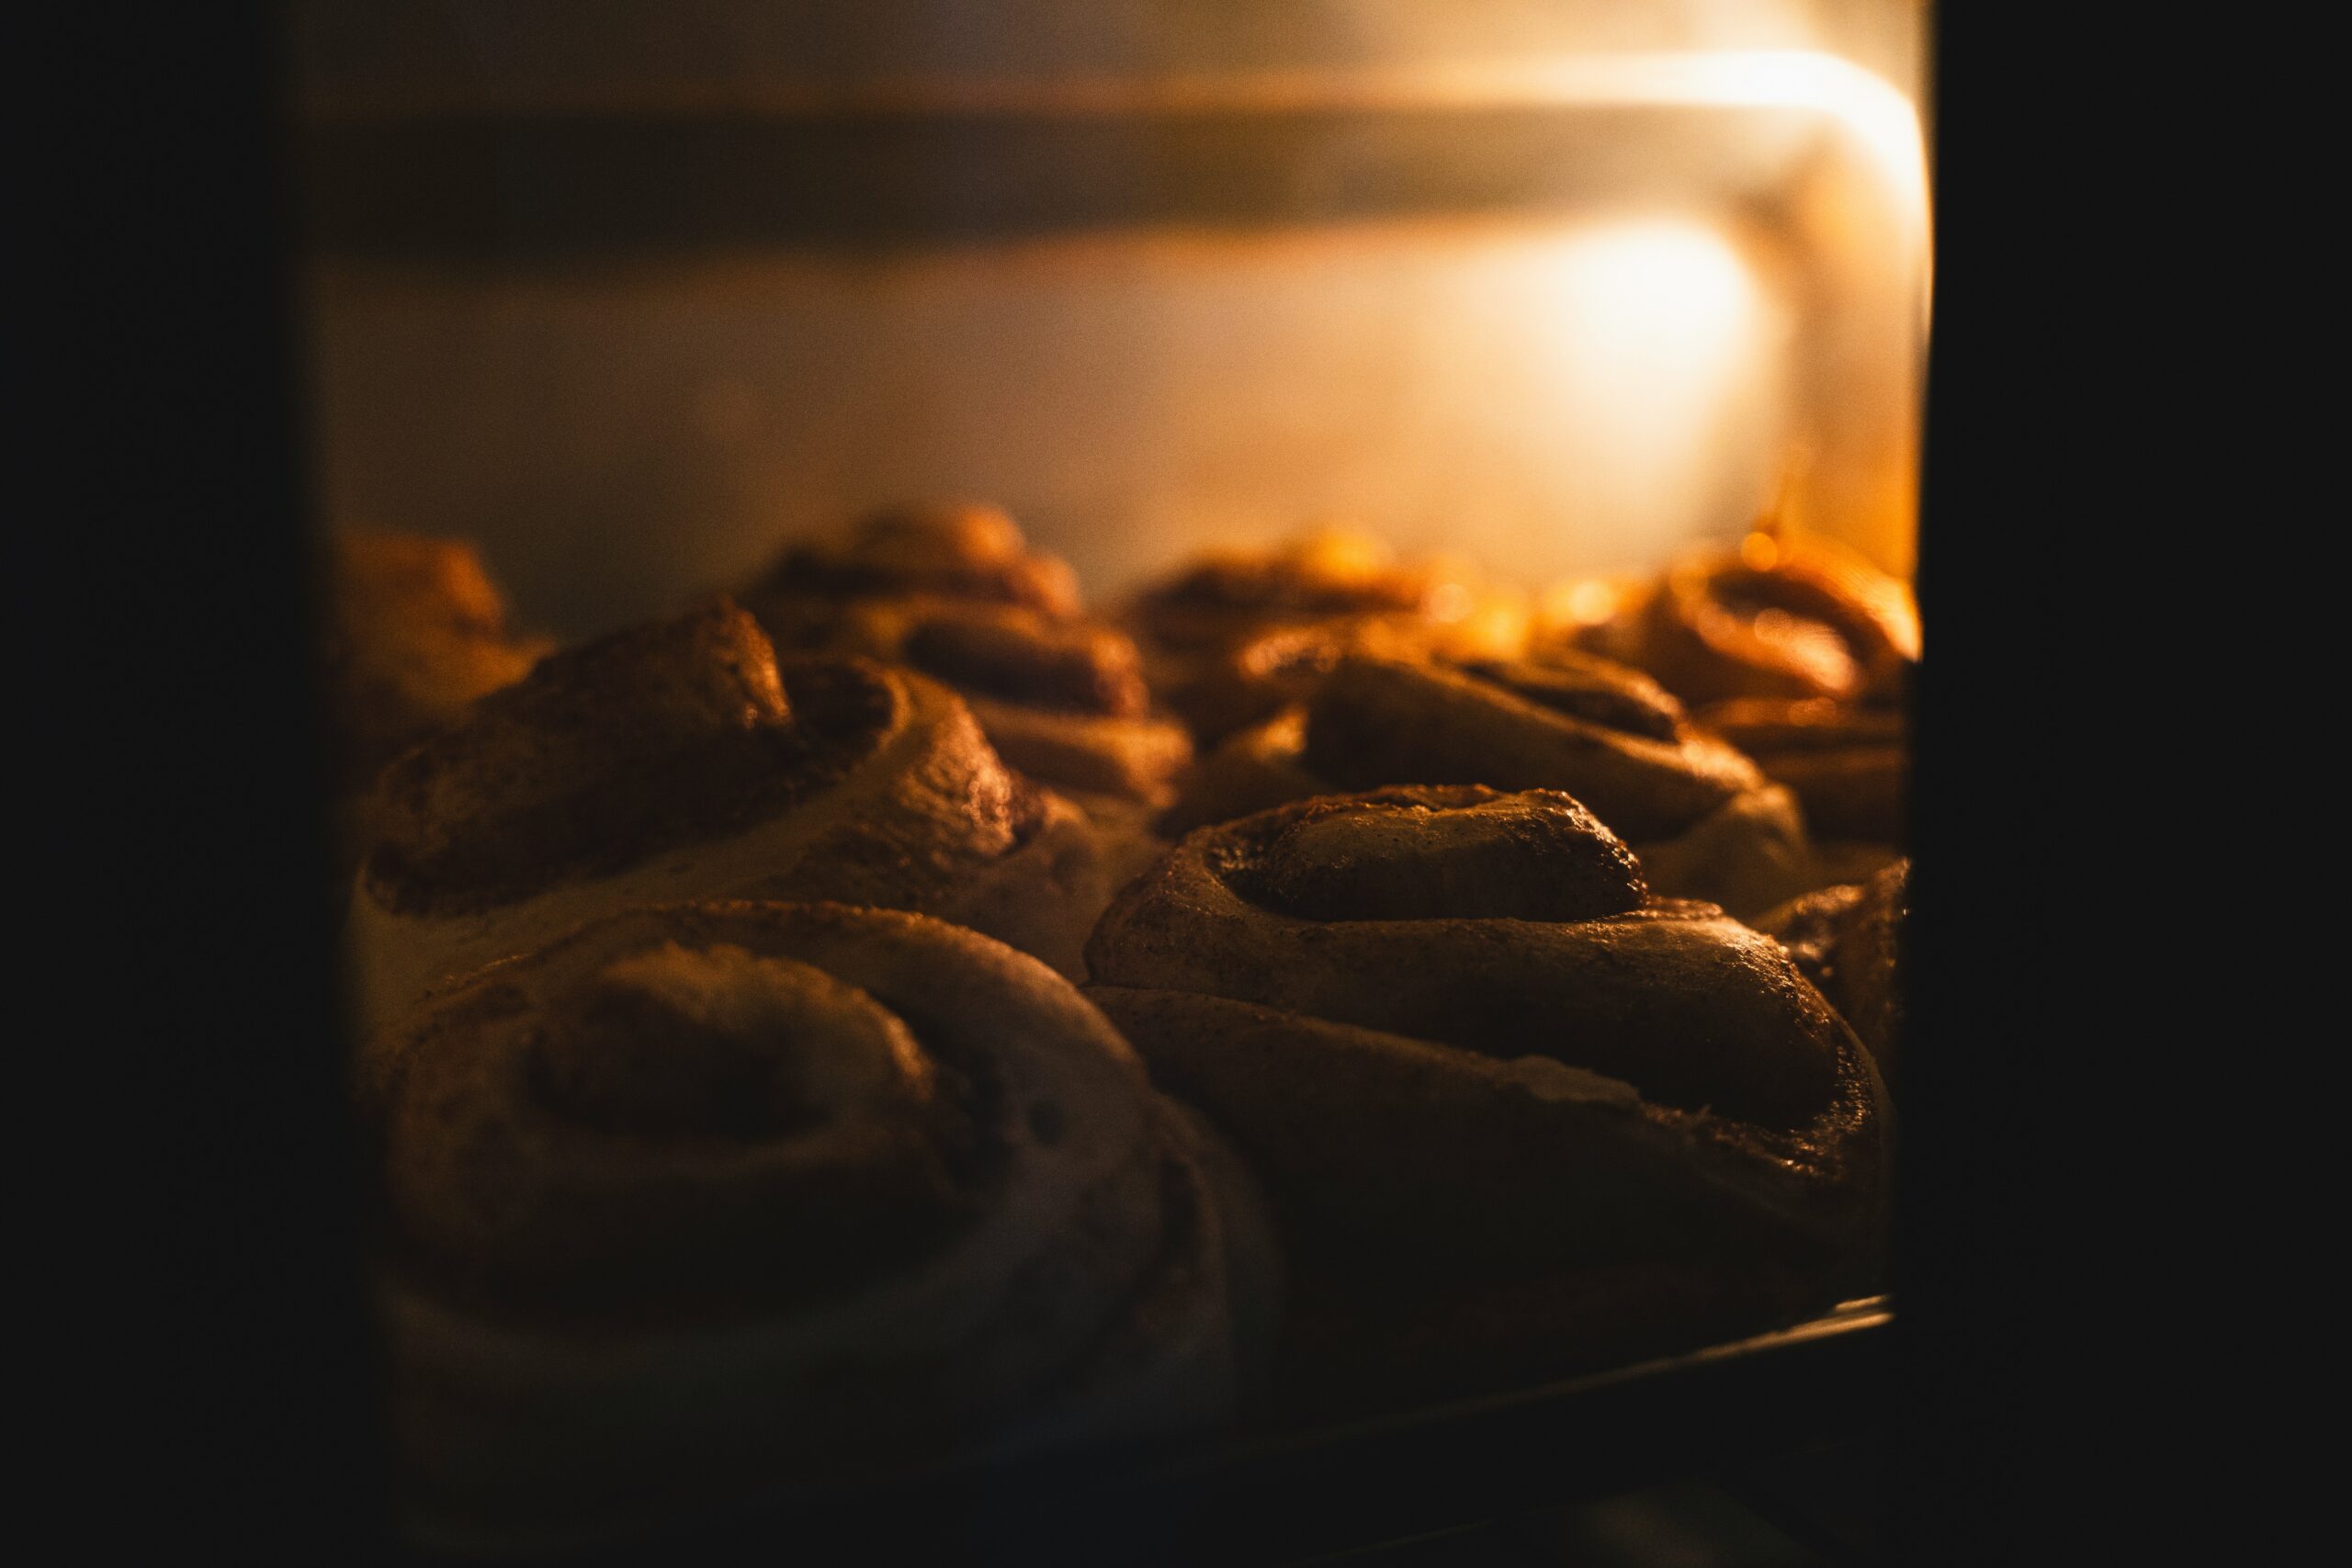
(1657, 344)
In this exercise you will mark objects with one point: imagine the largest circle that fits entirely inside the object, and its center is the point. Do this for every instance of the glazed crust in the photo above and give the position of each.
(1703, 819)
(1847, 940)
(703, 1195)
(682, 761)
(1468, 1052)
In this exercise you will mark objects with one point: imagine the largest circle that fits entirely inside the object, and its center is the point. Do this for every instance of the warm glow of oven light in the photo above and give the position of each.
(1656, 341)
(1346, 554)
(1496, 627)
(1879, 116)
(1759, 551)
(1568, 608)
(1592, 602)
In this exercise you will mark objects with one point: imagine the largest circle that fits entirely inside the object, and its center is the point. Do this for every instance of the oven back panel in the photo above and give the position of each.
(1565, 288)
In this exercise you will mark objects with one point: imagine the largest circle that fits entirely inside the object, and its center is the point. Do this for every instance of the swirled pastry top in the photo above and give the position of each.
(643, 742)
(947, 551)
(1010, 653)
(1516, 1113)
(958, 597)
(1231, 640)
(703, 1197)
(1784, 616)
(416, 630)
(1063, 701)
(1232, 598)
(1513, 927)
(682, 759)
(1605, 733)
(1324, 577)
(728, 1106)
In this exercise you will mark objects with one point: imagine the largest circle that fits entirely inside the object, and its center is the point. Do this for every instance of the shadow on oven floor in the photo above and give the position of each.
(1803, 1510)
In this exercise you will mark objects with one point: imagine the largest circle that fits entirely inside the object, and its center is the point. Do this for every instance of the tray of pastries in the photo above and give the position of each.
(891, 1047)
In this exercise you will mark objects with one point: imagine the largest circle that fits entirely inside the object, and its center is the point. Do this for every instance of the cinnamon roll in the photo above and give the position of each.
(682, 760)
(1849, 943)
(1704, 821)
(1787, 616)
(1798, 651)
(1234, 638)
(414, 631)
(957, 595)
(706, 1197)
(1515, 1115)
(1847, 764)
(940, 551)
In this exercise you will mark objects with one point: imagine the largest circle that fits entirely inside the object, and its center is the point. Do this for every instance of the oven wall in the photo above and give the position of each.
(630, 310)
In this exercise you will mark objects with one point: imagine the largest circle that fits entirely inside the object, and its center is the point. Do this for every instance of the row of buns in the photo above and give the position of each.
(887, 1012)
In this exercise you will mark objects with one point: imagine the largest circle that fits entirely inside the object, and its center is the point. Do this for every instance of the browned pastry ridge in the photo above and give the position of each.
(1515, 1115)
(1797, 651)
(709, 1196)
(956, 593)
(1232, 639)
(1848, 941)
(1786, 616)
(1704, 821)
(682, 760)
(1847, 764)
(947, 551)
(414, 631)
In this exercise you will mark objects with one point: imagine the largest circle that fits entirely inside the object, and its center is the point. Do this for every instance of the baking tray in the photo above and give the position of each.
(1279, 1496)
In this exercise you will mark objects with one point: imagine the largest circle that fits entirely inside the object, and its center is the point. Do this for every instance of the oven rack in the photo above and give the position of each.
(1275, 1497)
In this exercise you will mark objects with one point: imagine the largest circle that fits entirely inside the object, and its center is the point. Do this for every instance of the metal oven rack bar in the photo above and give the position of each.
(1278, 1497)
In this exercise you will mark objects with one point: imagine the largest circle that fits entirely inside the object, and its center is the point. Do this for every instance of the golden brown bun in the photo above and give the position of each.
(1785, 615)
(713, 1196)
(1062, 701)
(1797, 651)
(949, 551)
(957, 595)
(681, 760)
(1471, 1057)
(1847, 764)
(416, 630)
(1848, 941)
(1233, 638)
(1703, 821)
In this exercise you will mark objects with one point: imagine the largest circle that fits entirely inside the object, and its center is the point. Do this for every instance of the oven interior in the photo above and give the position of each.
(630, 299)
